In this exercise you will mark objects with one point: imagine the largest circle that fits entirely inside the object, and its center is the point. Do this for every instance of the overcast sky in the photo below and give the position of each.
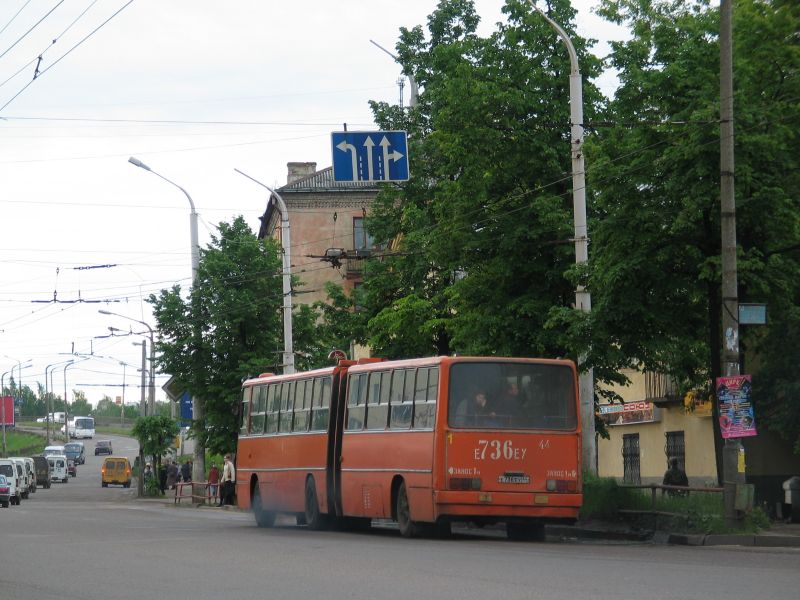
(194, 89)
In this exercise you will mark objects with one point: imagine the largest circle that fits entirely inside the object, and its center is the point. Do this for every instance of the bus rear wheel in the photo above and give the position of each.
(314, 518)
(408, 528)
(264, 518)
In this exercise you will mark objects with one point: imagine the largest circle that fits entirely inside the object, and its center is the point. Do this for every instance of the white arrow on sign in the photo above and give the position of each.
(369, 145)
(345, 147)
(395, 155)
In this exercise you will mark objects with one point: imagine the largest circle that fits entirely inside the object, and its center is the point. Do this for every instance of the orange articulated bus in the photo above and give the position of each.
(425, 442)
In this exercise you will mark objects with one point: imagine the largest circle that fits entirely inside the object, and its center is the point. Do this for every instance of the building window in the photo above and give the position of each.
(630, 458)
(675, 447)
(361, 239)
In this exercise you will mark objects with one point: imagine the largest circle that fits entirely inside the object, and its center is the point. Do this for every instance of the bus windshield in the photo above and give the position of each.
(508, 395)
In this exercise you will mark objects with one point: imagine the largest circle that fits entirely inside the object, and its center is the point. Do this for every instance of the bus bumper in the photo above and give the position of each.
(507, 504)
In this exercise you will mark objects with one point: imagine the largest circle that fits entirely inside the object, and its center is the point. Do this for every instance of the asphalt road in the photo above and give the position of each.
(82, 541)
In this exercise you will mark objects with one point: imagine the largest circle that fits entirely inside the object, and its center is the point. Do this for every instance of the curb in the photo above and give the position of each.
(751, 540)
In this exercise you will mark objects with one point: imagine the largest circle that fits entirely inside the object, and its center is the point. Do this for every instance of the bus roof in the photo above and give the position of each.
(436, 360)
(268, 378)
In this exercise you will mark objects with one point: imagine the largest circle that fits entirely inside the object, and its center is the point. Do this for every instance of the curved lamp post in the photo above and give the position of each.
(198, 407)
(583, 300)
(151, 395)
(3, 389)
(286, 254)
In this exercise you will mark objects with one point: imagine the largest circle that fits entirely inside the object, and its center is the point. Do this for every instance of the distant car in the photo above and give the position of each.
(72, 470)
(103, 447)
(5, 492)
(76, 452)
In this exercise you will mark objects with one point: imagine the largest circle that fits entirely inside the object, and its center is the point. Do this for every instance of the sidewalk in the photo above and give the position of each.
(779, 535)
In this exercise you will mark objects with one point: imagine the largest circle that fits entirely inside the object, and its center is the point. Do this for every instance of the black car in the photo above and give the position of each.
(103, 447)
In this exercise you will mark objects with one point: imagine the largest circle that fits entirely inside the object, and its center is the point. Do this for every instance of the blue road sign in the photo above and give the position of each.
(369, 155)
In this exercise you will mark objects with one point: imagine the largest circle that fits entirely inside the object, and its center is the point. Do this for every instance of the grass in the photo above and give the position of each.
(698, 512)
(20, 443)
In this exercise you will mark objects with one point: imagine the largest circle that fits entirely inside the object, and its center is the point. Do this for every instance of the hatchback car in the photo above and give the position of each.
(103, 447)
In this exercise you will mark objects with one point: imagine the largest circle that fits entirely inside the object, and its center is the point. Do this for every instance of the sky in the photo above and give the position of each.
(194, 89)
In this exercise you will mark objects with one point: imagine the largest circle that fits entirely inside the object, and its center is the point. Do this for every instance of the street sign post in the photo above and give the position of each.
(370, 155)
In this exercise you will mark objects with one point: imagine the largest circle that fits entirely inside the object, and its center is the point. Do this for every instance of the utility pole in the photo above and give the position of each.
(731, 474)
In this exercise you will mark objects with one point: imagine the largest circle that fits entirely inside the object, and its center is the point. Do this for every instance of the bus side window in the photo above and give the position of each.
(273, 406)
(301, 408)
(245, 411)
(320, 404)
(356, 401)
(377, 411)
(287, 397)
(402, 399)
(425, 393)
(257, 412)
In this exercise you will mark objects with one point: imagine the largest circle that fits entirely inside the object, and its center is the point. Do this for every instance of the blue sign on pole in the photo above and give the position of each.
(370, 155)
(187, 411)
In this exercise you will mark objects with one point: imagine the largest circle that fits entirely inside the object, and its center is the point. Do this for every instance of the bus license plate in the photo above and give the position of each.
(513, 479)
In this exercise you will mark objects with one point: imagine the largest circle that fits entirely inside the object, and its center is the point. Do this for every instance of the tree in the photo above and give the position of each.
(228, 329)
(654, 174)
(80, 405)
(478, 254)
(155, 434)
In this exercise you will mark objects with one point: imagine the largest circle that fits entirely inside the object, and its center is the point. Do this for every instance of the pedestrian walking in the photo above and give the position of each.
(186, 471)
(228, 482)
(172, 474)
(213, 481)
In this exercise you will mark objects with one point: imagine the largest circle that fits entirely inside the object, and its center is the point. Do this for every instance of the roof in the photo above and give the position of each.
(322, 180)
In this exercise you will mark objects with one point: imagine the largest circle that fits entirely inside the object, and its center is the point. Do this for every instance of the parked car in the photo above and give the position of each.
(30, 472)
(52, 450)
(58, 468)
(103, 447)
(8, 469)
(42, 468)
(76, 452)
(5, 492)
(116, 470)
(24, 479)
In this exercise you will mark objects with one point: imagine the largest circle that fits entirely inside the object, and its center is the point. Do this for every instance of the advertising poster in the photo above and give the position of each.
(736, 418)
(628, 413)
(7, 413)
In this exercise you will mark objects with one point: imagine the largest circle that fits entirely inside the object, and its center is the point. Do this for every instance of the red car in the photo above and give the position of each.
(5, 492)
(71, 468)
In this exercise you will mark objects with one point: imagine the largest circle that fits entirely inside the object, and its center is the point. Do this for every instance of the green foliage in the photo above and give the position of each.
(655, 209)
(228, 329)
(155, 434)
(477, 252)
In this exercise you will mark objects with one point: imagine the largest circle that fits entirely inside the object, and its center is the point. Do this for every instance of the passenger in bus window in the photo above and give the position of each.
(477, 410)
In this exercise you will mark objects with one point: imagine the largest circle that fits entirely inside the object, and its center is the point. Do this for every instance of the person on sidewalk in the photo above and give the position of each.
(213, 481)
(186, 471)
(675, 476)
(172, 475)
(228, 482)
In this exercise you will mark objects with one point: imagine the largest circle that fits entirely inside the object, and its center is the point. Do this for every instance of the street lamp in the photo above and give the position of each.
(143, 344)
(583, 300)
(286, 245)
(66, 402)
(192, 215)
(49, 393)
(151, 401)
(198, 408)
(412, 82)
(3, 389)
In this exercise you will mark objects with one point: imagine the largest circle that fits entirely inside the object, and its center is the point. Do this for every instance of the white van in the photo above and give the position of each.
(30, 472)
(25, 481)
(51, 450)
(58, 468)
(9, 468)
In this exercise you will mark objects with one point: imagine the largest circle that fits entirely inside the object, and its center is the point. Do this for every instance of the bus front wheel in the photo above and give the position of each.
(264, 518)
(408, 528)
